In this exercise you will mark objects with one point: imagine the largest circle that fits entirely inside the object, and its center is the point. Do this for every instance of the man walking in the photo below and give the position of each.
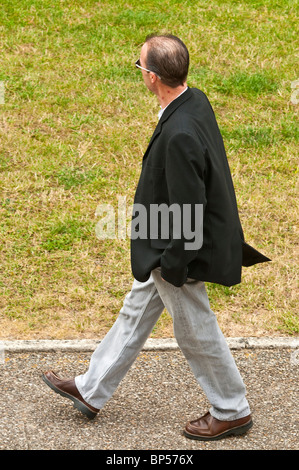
(184, 167)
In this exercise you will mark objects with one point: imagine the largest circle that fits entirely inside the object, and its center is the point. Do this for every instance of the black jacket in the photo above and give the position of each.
(186, 164)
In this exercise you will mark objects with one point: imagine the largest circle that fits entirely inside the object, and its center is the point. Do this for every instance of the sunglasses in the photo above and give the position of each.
(137, 64)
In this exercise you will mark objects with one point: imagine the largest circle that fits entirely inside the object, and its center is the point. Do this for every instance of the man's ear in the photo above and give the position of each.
(153, 77)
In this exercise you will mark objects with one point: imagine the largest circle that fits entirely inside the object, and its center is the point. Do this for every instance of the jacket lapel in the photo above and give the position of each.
(167, 113)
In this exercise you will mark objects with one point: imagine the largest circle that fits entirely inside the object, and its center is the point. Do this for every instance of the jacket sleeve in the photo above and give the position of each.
(185, 167)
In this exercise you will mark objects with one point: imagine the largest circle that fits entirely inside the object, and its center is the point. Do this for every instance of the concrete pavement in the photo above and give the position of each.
(151, 405)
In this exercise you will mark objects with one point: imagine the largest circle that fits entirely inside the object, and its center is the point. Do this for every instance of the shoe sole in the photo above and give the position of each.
(237, 431)
(77, 403)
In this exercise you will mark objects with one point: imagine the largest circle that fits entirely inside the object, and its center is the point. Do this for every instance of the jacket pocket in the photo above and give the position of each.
(159, 244)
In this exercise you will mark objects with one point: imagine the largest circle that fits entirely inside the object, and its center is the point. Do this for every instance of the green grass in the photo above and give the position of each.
(73, 128)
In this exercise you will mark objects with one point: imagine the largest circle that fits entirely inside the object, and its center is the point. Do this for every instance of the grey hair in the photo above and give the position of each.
(168, 57)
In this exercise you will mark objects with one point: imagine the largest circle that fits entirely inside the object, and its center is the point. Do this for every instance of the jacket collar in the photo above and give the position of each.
(167, 113)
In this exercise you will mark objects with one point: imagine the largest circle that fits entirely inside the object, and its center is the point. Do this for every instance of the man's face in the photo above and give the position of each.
(148, 77)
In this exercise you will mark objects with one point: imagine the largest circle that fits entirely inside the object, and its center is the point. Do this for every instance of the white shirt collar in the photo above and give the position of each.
(162, 110)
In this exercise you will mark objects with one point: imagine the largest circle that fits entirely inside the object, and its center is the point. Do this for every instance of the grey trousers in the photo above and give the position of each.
(198, 336)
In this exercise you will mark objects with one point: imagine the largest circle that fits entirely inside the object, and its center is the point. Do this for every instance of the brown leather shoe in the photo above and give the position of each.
(67, 388)
(208, 428)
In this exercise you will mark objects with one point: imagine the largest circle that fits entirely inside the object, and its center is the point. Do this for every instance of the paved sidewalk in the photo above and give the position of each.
(151, 405)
